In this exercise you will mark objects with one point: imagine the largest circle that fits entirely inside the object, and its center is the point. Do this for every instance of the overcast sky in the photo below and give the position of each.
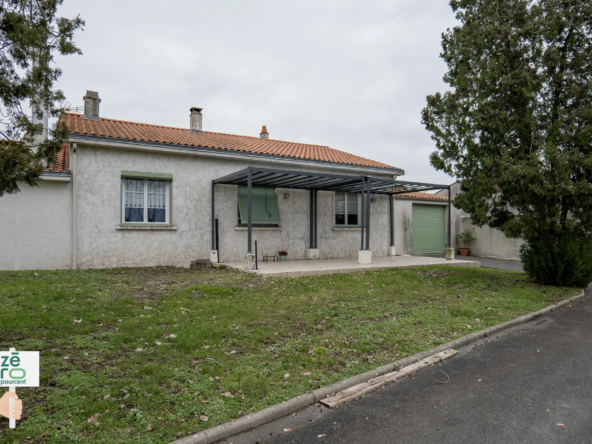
(353, 75)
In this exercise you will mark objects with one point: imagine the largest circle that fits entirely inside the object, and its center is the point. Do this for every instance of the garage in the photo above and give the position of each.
(429, 228)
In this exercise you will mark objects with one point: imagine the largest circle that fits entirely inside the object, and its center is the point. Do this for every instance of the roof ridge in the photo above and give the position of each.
(122, 129)
(207, 132)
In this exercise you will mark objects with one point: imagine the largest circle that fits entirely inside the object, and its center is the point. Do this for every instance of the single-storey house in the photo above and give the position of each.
(124, 194)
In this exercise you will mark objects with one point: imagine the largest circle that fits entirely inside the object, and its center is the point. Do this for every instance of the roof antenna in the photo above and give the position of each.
(74, 109)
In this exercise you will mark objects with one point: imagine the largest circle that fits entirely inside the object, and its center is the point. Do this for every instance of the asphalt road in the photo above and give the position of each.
(532, 384)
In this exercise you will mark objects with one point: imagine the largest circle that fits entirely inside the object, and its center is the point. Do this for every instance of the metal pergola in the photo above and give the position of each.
(315, 182)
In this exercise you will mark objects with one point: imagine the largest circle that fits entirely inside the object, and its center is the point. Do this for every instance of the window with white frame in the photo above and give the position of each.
(347, 208)
(145, 201)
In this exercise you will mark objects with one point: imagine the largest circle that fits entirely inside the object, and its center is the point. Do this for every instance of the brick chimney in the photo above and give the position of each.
(195, 120)
(91, 105)
(264, 134)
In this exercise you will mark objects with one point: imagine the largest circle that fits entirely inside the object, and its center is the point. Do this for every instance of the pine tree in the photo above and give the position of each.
(30, 34)
(516, 125)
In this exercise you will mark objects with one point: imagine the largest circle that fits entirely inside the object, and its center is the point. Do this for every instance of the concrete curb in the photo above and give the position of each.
(290, 406)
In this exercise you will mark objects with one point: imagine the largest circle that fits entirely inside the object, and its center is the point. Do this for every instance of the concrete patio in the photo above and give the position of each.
(319, 267)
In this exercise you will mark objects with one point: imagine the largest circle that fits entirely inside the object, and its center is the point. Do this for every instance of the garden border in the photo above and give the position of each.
(293, 405)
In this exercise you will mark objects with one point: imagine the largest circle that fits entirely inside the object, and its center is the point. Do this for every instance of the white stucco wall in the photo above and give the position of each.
(101, 245)
(35, 227)
(492, 243)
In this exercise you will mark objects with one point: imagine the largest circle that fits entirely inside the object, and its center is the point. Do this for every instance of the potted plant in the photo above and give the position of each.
(283, 255)
(466, 238)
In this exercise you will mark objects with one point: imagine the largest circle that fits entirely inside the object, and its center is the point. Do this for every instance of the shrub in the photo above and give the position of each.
(564, 259)
(466, 237)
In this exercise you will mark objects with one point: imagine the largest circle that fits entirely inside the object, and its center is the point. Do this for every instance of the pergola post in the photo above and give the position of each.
(214, 250)
(365, 254)
(213, 216)
(311, 225)
(368, 199)
(316, 217)
(313, 251)
(449, 249)
(391, 250)
(250, 257)
(361, 213)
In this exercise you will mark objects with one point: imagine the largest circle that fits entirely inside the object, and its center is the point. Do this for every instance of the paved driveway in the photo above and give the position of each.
(532, 384)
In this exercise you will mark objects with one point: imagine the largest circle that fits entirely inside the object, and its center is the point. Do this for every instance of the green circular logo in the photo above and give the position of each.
(22, 370)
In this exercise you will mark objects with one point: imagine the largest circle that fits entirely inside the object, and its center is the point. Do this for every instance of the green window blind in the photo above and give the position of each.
(264, 205)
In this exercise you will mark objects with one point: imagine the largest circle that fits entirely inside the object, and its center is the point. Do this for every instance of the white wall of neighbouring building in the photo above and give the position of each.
(35, 227)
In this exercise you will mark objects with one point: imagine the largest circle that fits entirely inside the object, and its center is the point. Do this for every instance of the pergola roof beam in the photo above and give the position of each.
(295, 180)
(274, 179)
(305, 180)
(303, 173)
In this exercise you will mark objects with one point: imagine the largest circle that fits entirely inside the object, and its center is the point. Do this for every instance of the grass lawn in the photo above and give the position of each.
(151, 355)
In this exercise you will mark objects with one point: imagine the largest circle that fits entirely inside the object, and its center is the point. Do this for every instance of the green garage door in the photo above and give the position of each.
(429, 229)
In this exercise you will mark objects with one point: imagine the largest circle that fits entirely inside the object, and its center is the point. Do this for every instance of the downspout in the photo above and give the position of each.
(74, 206)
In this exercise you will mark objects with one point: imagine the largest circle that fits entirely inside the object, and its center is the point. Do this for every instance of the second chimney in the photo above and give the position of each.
(91, 105)
(45, 122)
(195, 120)
(264, 134)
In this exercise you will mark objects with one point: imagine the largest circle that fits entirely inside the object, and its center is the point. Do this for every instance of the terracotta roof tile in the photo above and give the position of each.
(62, 162)
(162, 134)
(422, 196)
